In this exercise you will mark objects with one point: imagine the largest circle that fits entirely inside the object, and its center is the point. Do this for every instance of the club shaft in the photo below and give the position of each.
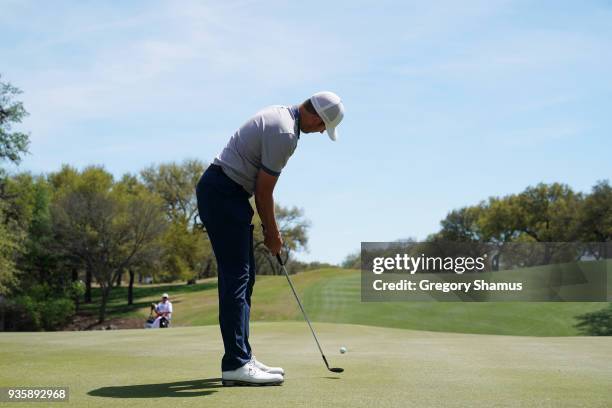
(304, 313)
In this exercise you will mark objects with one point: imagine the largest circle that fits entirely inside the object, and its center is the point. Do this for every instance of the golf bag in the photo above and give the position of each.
(149, 324)
(151, 319)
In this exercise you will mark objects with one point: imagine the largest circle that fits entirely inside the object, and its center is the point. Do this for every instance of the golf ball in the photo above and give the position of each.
(342, 350)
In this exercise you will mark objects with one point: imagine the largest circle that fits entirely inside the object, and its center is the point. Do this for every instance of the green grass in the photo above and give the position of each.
(336, 299)
(384, 368)
(333, 295)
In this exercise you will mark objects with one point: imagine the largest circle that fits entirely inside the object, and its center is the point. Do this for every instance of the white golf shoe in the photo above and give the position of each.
(249, 374)
(265, 368)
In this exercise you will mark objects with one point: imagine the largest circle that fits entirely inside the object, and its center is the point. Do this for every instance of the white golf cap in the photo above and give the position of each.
(165, 295)
(330, 108)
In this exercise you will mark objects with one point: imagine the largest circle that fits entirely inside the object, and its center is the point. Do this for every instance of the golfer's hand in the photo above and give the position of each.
(273, 241)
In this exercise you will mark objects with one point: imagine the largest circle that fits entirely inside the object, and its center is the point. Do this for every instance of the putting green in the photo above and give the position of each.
(385, 367)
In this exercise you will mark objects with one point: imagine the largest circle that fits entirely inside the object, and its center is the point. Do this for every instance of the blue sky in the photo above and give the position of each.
(447, 102)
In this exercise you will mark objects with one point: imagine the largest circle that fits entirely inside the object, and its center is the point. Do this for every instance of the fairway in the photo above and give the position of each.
(384, 368)
(334, 295)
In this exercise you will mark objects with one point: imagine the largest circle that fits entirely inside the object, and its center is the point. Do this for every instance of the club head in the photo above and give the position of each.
(336, 370)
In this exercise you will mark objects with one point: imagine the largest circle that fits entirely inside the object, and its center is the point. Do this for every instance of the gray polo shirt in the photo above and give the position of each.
(265, 141)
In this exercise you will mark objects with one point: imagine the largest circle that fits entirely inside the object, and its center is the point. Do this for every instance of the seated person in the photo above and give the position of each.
(162, 310)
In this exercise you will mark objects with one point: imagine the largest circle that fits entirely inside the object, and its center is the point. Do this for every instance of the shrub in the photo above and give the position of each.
(22, 314)
(55, 313)
(39, 309)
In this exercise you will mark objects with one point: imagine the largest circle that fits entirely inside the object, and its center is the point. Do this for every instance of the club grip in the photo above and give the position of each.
(278, 258)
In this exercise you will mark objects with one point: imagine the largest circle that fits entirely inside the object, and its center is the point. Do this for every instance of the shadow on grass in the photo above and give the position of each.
(117, 302)
(120, 293)
(598, 323)
(181, 389)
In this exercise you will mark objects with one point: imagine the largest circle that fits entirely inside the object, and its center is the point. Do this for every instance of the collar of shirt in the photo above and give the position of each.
(295, 111)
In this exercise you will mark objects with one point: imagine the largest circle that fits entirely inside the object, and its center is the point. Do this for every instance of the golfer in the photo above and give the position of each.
(250, 164)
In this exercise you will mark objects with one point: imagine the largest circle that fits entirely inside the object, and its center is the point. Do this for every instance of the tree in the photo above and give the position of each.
(499, 220)
(9, 247)
(352, 260)
(61, 183)
(187, 251)
(106, 227)
(294, 230)
(547, 212)
(595, 218)
(175, 184)
(462, 225)
(39, 261)
(13, 144)
(64, 182)
(149, 257)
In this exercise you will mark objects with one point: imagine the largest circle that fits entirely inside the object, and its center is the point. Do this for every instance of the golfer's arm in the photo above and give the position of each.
(264, 200)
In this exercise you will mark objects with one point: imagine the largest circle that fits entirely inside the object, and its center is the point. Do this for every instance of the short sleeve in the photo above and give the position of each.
(275, 152)
(169, 307)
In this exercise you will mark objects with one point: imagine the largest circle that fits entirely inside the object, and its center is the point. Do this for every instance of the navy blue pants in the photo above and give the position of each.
(226, 213)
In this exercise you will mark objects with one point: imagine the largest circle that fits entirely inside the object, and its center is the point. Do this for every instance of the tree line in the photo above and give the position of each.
(64, 232)
(546, 213)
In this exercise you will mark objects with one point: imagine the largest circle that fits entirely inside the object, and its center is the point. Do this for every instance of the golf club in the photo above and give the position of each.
(282, 264)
